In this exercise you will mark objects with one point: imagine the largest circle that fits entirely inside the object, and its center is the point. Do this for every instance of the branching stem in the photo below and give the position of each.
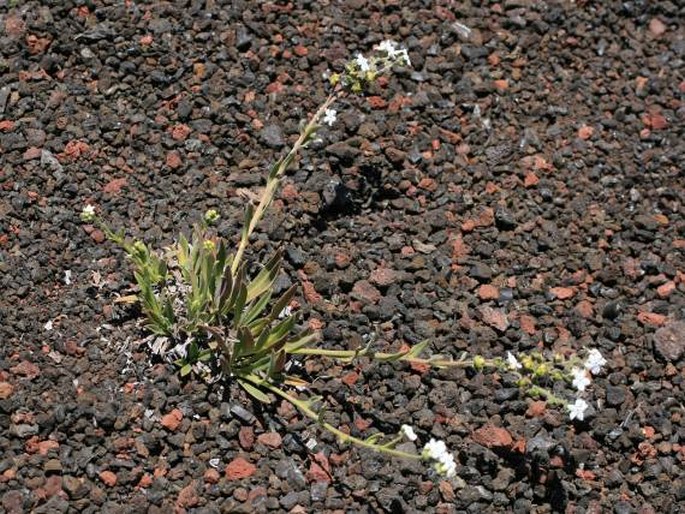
(303, 406)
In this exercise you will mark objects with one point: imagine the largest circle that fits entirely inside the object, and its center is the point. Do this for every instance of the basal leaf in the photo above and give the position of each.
(282, 302)
(276, 364)
(265, 278)
(302, 340)
(295, 381)
(255, 392)
(223, 303)
(249, 214)
(186, 369)
(256, 309)
(279, 333)
(239, 305)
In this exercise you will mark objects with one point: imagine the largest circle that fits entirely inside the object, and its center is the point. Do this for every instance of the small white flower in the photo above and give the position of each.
(512, 361)
(447, 466)
(408, 432)
(330, 117)
(393, 52)
(443, 460)
(595, 361)
(388, 46)
(580, 379)
(88, 213)
(363, 63)
(434, 449)
(577, 410)
(48, 325)
(67, 277)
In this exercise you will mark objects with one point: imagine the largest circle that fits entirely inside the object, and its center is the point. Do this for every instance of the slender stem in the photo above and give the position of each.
(313, 415)
(272, 182)
(381, 356)
(547, 394)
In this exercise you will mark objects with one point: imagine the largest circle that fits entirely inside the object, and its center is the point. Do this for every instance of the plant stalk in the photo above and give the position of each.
(313, 415)
(272, 181)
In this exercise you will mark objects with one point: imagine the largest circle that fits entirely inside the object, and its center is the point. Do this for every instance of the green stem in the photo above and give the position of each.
(348, 355)
(303, 407)
(546, 394)
(272, 181)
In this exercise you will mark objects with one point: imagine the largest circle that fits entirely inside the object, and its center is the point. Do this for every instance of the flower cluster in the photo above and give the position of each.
(362, 70)
(394, 52)
(88, 213)
(211, 216)
(534, 369)
(582, 378)
(442, 460)
(329, 117)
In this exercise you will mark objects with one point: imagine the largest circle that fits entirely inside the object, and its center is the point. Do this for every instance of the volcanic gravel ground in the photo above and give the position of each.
(519, 188)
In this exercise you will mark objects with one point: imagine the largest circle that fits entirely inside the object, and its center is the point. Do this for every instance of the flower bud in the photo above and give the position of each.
(211, 216)
(478, 362)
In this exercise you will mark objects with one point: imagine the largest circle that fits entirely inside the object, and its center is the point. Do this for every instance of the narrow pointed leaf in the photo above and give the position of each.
(416, 350)
(247, 342)
(256, 309)
(239, 305)
(302, 340)
(265, 278)
(374, 438)
(295, 381)
(276, 364)
(255, 392)
(282, 302)
(249, 214)
(225, 291)
(279, 332)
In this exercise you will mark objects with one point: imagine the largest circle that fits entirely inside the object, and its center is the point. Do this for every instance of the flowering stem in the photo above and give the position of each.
(273, 179)
(303, 406)
(546, 394)
(348, 355)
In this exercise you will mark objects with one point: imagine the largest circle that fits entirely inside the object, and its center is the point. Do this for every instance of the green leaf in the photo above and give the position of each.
(249, 214)
(205, 355)
(223, 303)
(282, 302)
(416, 350)
(183, 255)
(273, 173)
(374, 438)
(278, 334)
(238, 281)
(221, 255)
(255, 392)
(302, 340)
(186, 369)
(246, 343)
(256, 309)
(209, 278)
(266, 277)
(276, 364)
(239, 306)
(258, 326)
